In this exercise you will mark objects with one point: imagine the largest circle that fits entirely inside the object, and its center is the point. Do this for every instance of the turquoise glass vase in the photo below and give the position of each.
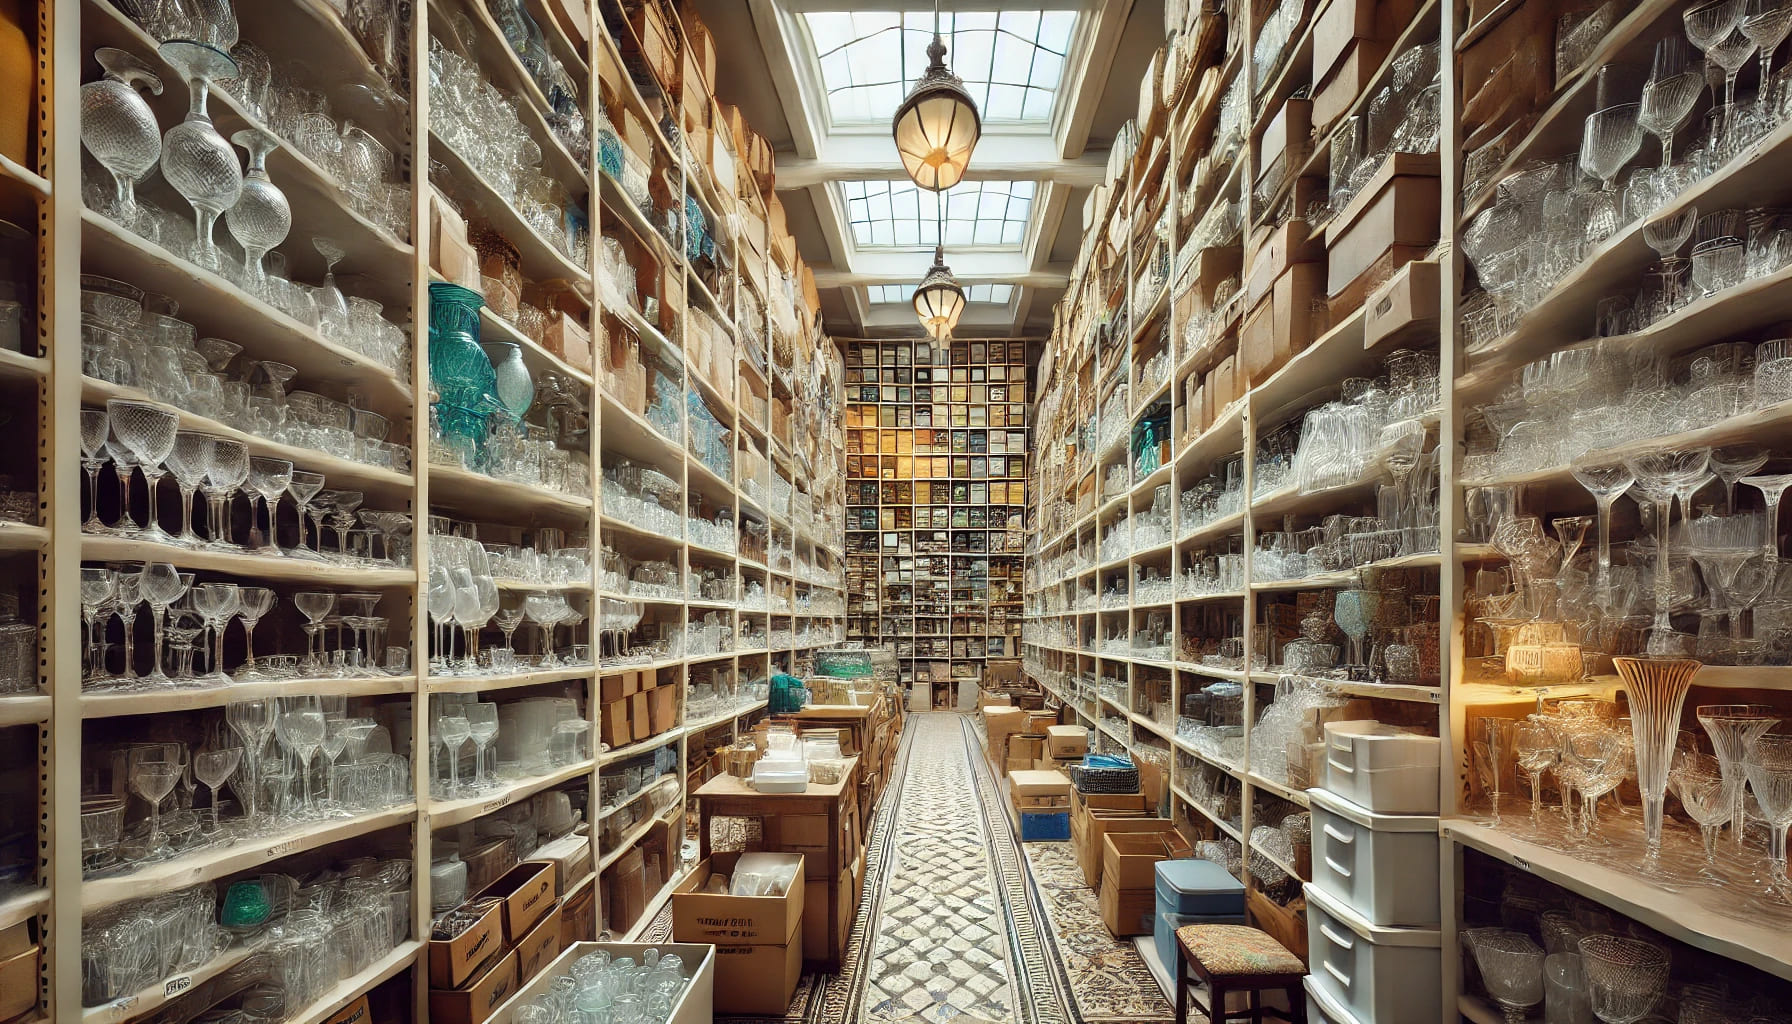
(459, 371)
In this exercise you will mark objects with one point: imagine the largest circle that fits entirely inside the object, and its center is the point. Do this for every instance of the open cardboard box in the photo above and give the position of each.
(759, 942)
(694, 1005)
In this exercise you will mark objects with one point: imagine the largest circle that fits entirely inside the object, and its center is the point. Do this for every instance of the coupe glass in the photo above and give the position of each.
(1766, 24)
(1660, 473)
(1733, 462)
(195, 159)
(330, 300)
(1769, 768)
(1718, 264)
(153, 781)
(1733, 729)
(1673, 89)
(1609, 139)
(1606, 479)
(303, 487)
(1668, 232)
(268, 478)
(1657, 691)
(315, 605)
(261, 217)
(188, 460)
(1599, 759)
(218, 603)
(1512, 969)
(119, 129)
(252, 604)
(1731, 53)
(148, 431)
(1625, 976)
(215, 767)
(1772, 487)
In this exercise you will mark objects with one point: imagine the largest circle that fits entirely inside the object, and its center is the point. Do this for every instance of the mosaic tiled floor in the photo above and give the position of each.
(966, 925)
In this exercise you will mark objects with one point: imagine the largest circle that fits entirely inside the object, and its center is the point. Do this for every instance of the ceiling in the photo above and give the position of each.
(1055, 81)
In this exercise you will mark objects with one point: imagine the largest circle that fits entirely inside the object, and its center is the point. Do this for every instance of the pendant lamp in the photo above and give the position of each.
(939, 301)
(937, 127)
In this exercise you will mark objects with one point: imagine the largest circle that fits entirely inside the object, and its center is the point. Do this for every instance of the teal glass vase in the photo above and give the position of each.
(459, 371)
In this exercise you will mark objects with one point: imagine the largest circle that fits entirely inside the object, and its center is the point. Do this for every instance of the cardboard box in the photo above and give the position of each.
(999, 723)
(356, 1012)
(1349, 77)
(452, 962)
(1023, 750)
(1222, 383)
(659, 44)
(759, 948)
(449, 251)
(574, 18)
(820, 945)
(570, 340)
(1285, 140)
(571, 857)
(699, 44)
(1342, 22)
(628, 891)
(758, 981)
(18, 983)
(15, 940)
(1408, 300)
(616, 687)
(693, 95)
(640, 711)
(1067, 741)
(541, 945)
(693, 1005)
(479, 999)
(1090, 833)
(528, 892)
(1297, 324)
(1127, 911)
(1399, 206)
(578, 917)
(1257, 356)
(1283, 247)
(1040, 784)
(613, 725)
(1129, 859)
(662, 712)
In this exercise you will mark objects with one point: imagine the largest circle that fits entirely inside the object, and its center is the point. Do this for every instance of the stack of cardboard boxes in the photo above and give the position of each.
(758, 939)
(634, 706)
(519, 933)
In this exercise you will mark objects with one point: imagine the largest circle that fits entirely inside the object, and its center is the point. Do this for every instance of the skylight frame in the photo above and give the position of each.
(867, 203)
(982, 294)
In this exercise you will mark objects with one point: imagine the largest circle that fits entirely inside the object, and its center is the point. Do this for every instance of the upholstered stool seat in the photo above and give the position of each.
(1236, 958)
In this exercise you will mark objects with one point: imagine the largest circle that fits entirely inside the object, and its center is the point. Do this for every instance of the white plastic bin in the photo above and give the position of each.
(1382, 768)
(1321, 1009)
(1383, 866)
(1384, 975)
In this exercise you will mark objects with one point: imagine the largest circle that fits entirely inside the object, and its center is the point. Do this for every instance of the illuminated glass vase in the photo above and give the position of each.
(459, 371)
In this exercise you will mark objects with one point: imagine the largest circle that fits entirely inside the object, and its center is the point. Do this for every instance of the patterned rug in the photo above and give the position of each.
(967, 924)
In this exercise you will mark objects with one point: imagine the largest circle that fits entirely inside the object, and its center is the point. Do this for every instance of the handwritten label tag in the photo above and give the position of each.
(282, 849)
(176, 985)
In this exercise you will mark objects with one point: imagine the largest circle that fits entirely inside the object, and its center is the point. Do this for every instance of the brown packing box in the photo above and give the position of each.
(453, 961)
(1257, 357)
(1222, 383)
(18, 983)
(1067, 741)
(449, 251)
(1342, 22)
(574, 17)
(1511, 68)
(1129, 859)
(16, 939)
(1127, 911)
(758, 981)
(613, 725)
(1409, 299)
(1284, 246)
(1212, 266)
(693, 88)
(1297, 324)
(528, 892)
(662, 711)
(356, 1012)
(616, 687)
(1091, 836)
(543, 943)
(571, 339)
(699, 43)
(816, 948)
(998, 724)
(578, 918)
(1040, 721)
(702, 916)
(628, 896)
(659, 43)
(1349, 78)
(1398, 206)
(998, 672)
(1039, 784)
(479, 999)
(1023, 750)
(640, 708)
(1286, 138)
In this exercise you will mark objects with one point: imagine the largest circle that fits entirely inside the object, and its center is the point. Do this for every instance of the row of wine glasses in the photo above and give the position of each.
(132, 339)
(266, 765)
(523, 738)
(131, 436)
(1385, 626)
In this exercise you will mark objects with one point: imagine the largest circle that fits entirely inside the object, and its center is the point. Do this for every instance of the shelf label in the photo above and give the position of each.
(176, 985)
(282, 849)
(1521, 863)
(1436, 696)
(491, 805)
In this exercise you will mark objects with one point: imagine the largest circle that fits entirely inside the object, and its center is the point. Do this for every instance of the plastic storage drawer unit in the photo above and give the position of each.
(1321, 1009)
(1383, 866)
(1381, 768)
(1384, 975)
(1195, 886)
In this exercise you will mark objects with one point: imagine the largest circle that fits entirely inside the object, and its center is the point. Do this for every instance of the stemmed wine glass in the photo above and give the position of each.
(1660, 474)
(1733, 462)
(214, 767)
(1772, 486)
(439, 603)
(253, 604)
(97, 587)
(303, 486)
(148, 431)
(253, 720)
(261, 216)
(315, 605)
(1609, 139)
(1698, 780)
(218, 604)
(482, 720)
(1769, 768)
(195, 159)
(454, 730)
(268, 478)
(300, 728)
(226, 470)
(159, 585)
(95, 426)
(187, 461)
(118, 127)
(153, 781)
(1538, 748)
(1733, 729)
(1669, 95)
(1766, 23)
(330, 300)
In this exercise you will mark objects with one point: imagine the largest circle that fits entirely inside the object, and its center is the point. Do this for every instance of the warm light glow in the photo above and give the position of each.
(939, 302)
(937, 127)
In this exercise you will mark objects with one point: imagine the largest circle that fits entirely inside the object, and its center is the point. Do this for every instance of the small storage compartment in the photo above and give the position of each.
(1385, 975)
(1383, 866)
(1381, 768)
(1196, 886)
(1321, 1009)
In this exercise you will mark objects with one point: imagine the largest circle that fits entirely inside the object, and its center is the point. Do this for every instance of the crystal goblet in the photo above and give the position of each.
(195, 159)
(118, 127)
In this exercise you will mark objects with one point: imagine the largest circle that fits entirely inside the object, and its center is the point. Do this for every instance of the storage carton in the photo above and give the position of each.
(1407, 302)
(640, 712)
(480, 999)
(693, 1006)
(1127, 911)
(356, 1012)
(1257, 348)
(613, 725)
(571, 857)
(1040, 784)
(18, 983)
(1297, 322)
(453, 961)
(628, 891)
(1285, 141)
(702, 916)
(662, 708)
(541, 945)
(528, 892)
(998, 724)
(1067, 741)
(1398, 206)
(1129, 859)
(1090, 836)
(1349, 77)
(1283, 247)
(1341, 23)
(449, 251)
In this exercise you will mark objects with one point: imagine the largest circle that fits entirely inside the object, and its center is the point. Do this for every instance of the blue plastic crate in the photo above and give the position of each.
(1047, 825)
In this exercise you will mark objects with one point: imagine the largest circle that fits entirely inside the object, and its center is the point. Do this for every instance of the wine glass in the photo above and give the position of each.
(213, 767)
(268, 478)
(1512, 969)
(187, 461)
(336, 738)
(1598, 755)
(1609, 139)
(1733, 462)
(439, 603)
(159, 585)
(482, 720)
(466, 611)
(95, 426)
(261, 216)
(1733, 729)
(119, 129)
(1698, 780)
(148, 431)
(153, 781)
(253, 721)
(330, 300)
(1730, 52)
(1660, 473)
(453, 730)
(226, 470)
(315, 605)
(1769, 768)
(303, 486)
(97, 587)
(1766, 24)
(217, 603)
(252, 604)
(1673, 88)
(1772, 487)
(300, 728)
(1495, 744)
(343, 504)
(1625, 976)
(1538, 748)
(195, 159)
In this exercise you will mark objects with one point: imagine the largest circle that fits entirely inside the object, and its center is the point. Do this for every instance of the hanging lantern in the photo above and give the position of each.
(937, 127)
(939, 302)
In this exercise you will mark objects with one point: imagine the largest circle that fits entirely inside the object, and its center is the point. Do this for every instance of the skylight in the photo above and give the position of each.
(902, 294)
(1012, 62)
(892, 214)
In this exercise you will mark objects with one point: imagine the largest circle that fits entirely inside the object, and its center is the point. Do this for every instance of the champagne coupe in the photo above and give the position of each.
(153, 781)
(187, 461)
(195, 159)
(1538, 748)
(1733, 729)
(1597, 754)
(1512, 968)
(218, 604)
(303, 487)
(268, 478)
(1733, 462)
(95, 425)
(1766, 23)
(1660, 473)
(315, 605)
(159, 585)
(252, 604)
(119, 129)
(226, 470)
(482, 719)
(261, 216)
(1772, 487)
(1673, 89)
(454, 730)
(148, 431)
(1769, 768)
(1731, 52)
(214, 767)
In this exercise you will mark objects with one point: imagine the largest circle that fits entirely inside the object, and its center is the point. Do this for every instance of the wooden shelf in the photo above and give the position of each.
(159, 702)
(443, 813)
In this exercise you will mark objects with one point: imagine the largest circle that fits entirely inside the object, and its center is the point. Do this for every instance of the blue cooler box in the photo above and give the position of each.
(1192, 891)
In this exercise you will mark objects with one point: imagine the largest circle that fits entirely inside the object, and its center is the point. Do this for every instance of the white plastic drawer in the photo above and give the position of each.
(1383, 866)
(1384, 975)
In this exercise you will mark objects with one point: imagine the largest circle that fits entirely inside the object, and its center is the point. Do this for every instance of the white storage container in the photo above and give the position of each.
(1382, 768)
(695, 1004)
(1383, 866)
(1383, 975)
(1322, 1009)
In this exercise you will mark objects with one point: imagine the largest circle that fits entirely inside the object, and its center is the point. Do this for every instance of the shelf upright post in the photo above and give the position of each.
(594, 435)
(1248, 420)
(59, 469)
(422, 191)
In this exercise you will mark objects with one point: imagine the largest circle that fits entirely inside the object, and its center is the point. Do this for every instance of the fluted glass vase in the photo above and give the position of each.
(1657, 689)
(459, 371)
(118, 127)
(196, 160)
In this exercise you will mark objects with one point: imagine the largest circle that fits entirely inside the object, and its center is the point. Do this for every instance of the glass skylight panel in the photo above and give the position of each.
(902, 294)
(896, 214)
(1012, 62)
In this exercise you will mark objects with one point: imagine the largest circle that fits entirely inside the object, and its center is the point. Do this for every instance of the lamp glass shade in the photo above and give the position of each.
(937, 127)
(939, 301)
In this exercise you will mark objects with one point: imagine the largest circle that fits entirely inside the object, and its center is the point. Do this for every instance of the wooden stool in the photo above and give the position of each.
(1231, 958)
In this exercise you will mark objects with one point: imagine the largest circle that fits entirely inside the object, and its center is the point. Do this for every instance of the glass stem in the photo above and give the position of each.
(186, 512)
(1536, 794)
(150, 480)
(130, 643)
(302, 510)
(218, 665)
(93, 523)
(249, 640)
(1664, 579)
(1709, 834)
(155, 622)
(1776, 852)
